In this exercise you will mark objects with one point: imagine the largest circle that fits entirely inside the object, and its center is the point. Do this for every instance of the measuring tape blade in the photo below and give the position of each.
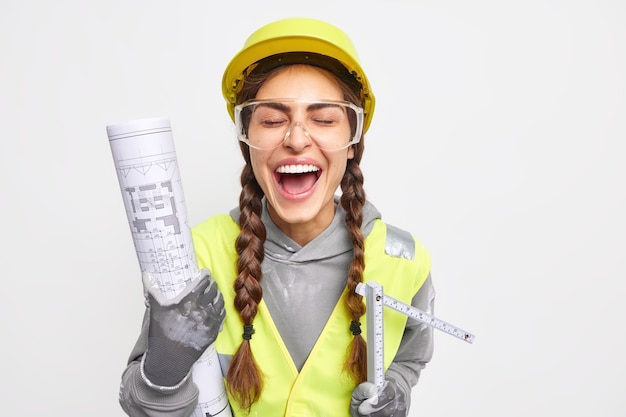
(375, 299)
(426, 318)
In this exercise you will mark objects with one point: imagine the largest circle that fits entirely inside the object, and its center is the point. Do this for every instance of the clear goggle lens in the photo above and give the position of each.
(266, 124)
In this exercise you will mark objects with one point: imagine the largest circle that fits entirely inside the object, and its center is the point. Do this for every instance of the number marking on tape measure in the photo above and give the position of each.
(375, 299)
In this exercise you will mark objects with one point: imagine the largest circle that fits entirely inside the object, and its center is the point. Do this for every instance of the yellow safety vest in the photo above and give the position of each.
(321, 388)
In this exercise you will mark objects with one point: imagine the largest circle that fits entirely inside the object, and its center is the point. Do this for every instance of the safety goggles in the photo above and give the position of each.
(266, 124)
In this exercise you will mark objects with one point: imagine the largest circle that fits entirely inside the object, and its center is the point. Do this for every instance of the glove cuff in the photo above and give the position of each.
(156, 387)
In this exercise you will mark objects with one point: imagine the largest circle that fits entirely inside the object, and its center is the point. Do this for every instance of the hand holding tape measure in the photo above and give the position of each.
(375, 300)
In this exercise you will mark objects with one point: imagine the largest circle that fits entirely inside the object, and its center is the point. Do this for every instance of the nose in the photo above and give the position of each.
(297, 140)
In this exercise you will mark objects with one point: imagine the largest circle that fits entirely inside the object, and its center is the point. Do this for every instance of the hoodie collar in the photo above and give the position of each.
(333, 241)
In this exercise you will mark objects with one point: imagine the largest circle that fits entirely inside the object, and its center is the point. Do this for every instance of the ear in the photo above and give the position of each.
(351, 152)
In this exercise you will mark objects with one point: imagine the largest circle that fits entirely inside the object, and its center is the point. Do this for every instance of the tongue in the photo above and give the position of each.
(298, 183)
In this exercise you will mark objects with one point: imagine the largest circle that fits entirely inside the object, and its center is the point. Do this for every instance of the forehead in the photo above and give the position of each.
(301, 81)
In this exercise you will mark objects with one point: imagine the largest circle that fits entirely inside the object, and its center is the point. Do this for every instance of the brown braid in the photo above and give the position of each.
(244, 379)
(352, 201)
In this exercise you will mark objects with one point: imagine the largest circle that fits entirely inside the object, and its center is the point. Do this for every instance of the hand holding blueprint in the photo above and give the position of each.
(147, 170)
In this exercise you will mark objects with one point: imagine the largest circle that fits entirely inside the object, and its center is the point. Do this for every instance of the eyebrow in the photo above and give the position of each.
(274, 105)
(315, 106)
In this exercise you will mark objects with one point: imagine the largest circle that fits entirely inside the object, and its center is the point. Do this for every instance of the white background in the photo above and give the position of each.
(497, 140)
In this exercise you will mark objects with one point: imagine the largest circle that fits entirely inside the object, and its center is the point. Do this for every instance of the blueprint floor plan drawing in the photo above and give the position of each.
(151, 187)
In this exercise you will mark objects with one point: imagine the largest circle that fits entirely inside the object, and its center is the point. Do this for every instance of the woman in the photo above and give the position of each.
(287, 261)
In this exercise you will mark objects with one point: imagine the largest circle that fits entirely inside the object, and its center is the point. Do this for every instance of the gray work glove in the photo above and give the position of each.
(368, 401)
(181, 328)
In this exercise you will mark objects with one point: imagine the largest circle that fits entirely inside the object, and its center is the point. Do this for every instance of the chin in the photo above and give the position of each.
(297, 215)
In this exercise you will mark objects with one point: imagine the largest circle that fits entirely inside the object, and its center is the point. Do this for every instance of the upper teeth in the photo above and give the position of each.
(296, 169)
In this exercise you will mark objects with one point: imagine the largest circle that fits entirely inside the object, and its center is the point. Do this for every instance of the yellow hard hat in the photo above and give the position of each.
(297, 35)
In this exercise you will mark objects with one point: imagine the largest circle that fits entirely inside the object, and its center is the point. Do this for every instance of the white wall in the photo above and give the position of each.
(498, 141)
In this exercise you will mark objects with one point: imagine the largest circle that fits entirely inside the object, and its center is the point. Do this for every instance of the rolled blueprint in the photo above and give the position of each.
(147, 171)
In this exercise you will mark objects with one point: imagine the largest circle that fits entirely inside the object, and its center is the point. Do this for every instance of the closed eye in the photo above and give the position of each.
(272, 122)
(326, 122)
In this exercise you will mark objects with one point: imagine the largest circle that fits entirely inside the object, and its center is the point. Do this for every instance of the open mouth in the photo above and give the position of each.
(297, 179)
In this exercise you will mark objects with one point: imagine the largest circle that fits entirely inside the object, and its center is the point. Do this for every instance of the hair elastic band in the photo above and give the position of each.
(248, 330)
(355, 328)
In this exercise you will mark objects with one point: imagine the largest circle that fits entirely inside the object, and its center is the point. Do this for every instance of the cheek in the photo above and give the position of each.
(258, 160)
(338, 169)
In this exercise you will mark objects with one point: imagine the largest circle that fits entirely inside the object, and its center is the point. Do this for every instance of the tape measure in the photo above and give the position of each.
(376, 299)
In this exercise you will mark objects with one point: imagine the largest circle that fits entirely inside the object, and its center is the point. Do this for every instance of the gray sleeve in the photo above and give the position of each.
(139, 400)
(416, 347)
